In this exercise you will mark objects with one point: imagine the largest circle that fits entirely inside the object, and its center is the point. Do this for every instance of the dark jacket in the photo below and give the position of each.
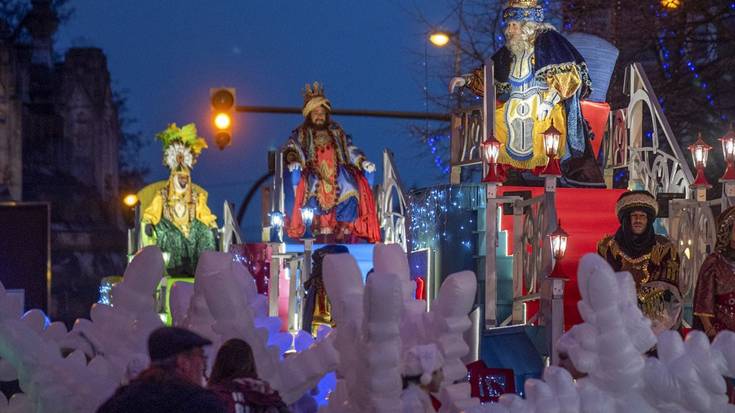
(154, 392)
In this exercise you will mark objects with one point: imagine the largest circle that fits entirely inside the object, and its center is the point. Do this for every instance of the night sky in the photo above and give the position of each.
(167, 54)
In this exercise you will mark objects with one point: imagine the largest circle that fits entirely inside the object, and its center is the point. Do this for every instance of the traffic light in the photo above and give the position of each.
(223, 106)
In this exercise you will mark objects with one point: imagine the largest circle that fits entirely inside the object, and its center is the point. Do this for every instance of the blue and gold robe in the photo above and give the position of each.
(553, 66)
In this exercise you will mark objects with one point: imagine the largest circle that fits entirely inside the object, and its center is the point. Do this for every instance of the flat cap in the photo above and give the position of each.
(166, 342)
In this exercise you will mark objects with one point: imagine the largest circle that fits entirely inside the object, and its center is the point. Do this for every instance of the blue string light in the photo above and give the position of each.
(434, 143)
(666, 63)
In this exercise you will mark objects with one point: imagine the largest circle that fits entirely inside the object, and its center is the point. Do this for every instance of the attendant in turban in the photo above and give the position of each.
(651, 259)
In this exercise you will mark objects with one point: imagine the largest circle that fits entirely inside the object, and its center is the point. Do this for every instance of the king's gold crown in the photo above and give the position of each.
(523, 4)
(313, 91)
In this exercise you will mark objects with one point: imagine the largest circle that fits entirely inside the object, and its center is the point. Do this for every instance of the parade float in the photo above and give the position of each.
(493, 273)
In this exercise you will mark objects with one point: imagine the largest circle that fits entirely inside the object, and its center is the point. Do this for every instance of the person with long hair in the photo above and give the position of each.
(330, 175)
(234, 379)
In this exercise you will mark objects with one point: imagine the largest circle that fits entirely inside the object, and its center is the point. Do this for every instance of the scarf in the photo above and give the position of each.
(635, 245)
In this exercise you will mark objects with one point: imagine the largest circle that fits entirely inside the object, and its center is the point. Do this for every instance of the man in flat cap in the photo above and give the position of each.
(651, 259)
(172, 382)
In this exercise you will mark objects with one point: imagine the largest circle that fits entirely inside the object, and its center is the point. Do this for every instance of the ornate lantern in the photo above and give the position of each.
(728, 150)
(558, 249)
(559, 242)
(700, 152)
(552, 139)
(490, 152)
(276, 225)
(307, 215)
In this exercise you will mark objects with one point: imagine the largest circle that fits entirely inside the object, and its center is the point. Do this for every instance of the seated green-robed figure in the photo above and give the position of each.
(178, 216)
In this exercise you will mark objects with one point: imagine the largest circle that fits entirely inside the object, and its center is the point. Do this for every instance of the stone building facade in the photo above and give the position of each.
(59, 143)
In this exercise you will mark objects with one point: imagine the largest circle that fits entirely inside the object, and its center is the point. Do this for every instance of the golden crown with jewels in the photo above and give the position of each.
(313, 91)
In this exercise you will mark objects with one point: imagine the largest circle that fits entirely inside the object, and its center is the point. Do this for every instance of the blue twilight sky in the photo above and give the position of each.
(167, 54)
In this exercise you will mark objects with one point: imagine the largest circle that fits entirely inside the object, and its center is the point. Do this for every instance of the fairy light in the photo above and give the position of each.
(436, 148)
(690, 64)
(430, 210)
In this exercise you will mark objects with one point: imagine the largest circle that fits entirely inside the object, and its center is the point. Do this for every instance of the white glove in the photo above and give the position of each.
(544, 110)
(294, 166)
(368, 166)
(456, 82)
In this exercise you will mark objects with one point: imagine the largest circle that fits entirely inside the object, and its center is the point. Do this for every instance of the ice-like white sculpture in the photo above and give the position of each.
(113, 338)
(375, 324)
(609, 347)
(369, 374)
(232, 303)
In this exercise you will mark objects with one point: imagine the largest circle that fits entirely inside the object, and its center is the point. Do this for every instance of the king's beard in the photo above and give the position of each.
(518, 45)
(322, 126)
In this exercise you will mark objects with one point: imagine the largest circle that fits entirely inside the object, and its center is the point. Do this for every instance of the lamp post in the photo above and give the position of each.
(307, 215)
(131, 201)
(700, 152)
(441, 39)
(277, 251)
(557, 279)
(728, 150)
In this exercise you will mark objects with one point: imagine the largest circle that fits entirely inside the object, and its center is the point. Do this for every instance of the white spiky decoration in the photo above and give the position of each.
(178, 154)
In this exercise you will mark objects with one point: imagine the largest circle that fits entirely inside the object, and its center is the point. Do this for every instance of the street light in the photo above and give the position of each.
(552, 138)
(440, 39)
(130, 200)
(132, 214)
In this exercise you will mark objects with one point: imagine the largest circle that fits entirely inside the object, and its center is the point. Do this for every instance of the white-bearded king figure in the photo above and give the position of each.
(540, 80)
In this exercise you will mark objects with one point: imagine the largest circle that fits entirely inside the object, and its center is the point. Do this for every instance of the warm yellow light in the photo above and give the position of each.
(130, 200)
(222, 121)
(439, 39)
(671, 4)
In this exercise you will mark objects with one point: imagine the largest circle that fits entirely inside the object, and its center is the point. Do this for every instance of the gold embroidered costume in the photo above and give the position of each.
(178, 217)
(651, 259)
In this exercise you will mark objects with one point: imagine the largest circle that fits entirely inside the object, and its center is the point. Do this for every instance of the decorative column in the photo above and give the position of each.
(490, 152)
